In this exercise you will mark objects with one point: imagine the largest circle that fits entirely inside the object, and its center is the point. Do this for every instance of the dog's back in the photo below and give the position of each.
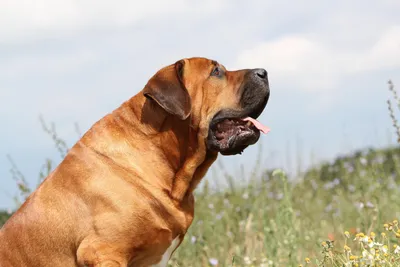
(25, 236)
(4, 262)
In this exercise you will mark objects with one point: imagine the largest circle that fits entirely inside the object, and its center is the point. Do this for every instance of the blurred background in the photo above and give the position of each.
(72, 62)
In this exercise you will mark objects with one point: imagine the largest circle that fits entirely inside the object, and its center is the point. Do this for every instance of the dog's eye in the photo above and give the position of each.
(216, 72)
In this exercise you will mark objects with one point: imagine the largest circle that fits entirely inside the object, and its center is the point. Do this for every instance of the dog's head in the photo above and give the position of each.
(222, 103)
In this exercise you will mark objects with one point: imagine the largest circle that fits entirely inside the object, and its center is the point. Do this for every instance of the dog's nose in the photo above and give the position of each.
(262, 73)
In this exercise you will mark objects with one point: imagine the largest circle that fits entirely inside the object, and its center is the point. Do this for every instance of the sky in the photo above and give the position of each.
(75, 61)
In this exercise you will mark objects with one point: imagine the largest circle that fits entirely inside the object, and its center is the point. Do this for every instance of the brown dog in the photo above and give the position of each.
(123, 196)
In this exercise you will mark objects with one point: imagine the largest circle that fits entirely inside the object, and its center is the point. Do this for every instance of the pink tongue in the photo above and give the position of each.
(258, 125)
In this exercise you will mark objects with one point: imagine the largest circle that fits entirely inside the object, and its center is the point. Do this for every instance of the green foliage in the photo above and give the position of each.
(392, 114)
(273, 222)
(4, 217)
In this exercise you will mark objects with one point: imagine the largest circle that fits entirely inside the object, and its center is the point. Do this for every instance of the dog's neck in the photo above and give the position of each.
(181, 143)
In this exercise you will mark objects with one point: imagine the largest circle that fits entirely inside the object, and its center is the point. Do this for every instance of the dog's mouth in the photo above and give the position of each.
(231, 136)
(232, 130)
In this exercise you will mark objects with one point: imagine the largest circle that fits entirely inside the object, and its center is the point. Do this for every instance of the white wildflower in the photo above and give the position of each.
(363, 161)
(369, 205)
(213, 261)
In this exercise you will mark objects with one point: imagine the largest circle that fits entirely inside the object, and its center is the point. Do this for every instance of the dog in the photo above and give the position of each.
(123, 195)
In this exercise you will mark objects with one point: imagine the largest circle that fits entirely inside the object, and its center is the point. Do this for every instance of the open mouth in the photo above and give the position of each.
(231, 136)
(231, 130)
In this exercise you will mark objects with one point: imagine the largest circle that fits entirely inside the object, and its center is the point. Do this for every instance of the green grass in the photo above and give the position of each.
(273, 222)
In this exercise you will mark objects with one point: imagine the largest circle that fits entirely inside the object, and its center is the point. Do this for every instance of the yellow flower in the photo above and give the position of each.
(324, 244)
(383, 235)
(361, 237)
(346, 248)
(395, 222)
(353, 257)
(300, 265)
(307, 260)
(372, 235)
(386, 226)
(397, 235)
(347, 234)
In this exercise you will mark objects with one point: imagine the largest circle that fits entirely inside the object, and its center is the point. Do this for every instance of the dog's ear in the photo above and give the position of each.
(167, 90)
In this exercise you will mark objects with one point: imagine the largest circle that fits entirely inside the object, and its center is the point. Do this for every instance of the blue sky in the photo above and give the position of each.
(75, 61)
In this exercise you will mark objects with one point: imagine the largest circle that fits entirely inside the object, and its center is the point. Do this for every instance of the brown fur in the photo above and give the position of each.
(124, 191)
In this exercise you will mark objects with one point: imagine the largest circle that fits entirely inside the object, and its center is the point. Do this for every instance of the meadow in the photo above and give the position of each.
(339, 213)
(332, 215)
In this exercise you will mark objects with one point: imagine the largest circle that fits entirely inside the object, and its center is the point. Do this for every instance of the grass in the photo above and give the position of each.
(340, 213)
(273, 222)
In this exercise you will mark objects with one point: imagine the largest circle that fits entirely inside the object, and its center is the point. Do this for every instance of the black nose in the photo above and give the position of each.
(262, 73)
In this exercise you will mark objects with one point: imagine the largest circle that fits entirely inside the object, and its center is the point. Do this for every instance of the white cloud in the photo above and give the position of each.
(49, 64)
(27, 19)
(309, 64)
(289, 59)
(385, 53)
